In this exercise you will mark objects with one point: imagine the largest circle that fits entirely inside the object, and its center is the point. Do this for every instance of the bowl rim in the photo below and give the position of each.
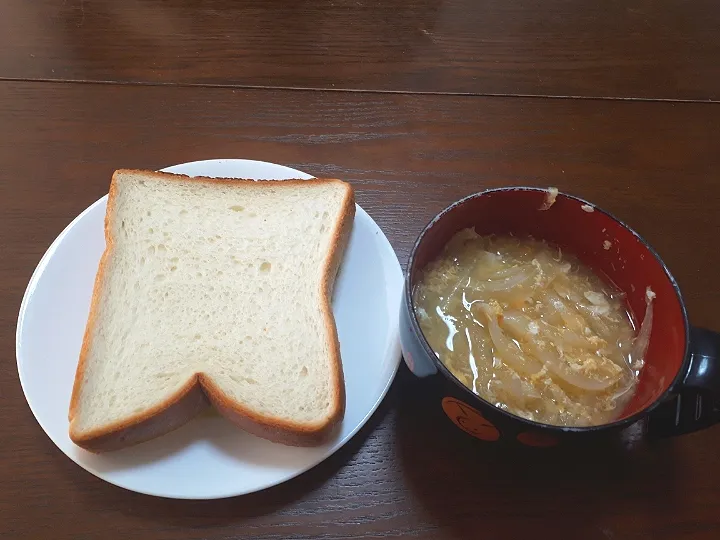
(477, 399)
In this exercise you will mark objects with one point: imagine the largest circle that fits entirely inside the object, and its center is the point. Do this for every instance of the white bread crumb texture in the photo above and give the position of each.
(218, 279)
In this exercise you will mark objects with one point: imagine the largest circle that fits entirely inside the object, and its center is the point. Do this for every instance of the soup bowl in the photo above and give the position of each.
(679, 385)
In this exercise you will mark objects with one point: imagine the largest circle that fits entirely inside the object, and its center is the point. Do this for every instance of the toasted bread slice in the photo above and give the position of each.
(219, 291)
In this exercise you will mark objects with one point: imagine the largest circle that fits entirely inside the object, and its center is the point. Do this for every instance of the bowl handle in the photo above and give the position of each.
(695, 404)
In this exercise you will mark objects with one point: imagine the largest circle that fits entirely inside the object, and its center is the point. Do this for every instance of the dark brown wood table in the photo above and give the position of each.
(417, 103)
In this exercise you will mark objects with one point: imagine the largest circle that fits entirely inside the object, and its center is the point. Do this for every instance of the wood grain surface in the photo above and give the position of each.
(664, 49)
(408, 473)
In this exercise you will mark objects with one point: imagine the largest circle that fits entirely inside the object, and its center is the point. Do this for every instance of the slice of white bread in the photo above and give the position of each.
(214, 290)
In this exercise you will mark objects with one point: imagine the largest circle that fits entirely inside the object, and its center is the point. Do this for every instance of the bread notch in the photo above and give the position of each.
(214, 291)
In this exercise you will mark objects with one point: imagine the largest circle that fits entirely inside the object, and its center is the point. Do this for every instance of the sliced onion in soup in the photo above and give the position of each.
(505, 348)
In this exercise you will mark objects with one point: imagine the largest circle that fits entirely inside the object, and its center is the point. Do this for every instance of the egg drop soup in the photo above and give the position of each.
(530, 329)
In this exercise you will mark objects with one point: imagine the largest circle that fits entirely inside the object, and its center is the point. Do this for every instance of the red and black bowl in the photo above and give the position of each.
(679, 384)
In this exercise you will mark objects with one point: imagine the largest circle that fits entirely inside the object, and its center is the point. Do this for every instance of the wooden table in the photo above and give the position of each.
(417, 103)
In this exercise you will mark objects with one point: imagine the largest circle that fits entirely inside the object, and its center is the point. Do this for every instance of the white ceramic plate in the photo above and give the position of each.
(208, 457)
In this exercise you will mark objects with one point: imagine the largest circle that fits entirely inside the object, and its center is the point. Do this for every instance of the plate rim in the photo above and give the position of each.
(52, 248)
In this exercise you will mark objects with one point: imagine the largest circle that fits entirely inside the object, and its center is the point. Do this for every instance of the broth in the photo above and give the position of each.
(530, 329)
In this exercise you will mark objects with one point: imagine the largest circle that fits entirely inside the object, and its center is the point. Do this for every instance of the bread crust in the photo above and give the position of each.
(194, 395)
